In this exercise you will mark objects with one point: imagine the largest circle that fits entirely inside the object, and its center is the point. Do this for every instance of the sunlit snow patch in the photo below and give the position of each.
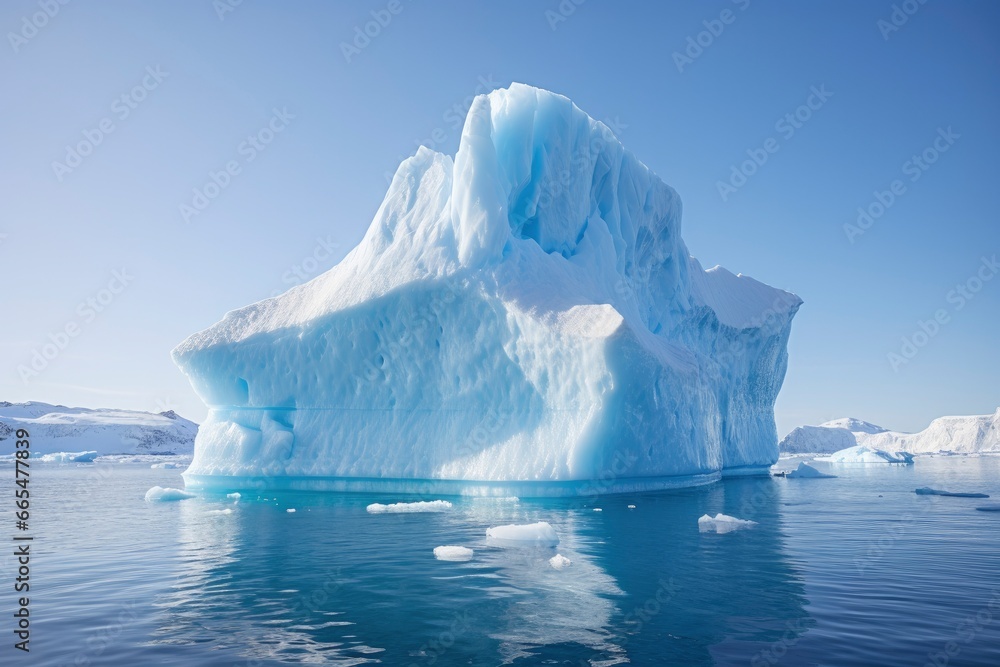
(539, 534)
(806, 471)
(559, 561)
(159, 493)
(422, 506)
(453, 553)
(723, 524)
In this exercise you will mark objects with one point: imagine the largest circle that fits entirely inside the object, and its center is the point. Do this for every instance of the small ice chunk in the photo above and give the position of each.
(559, 561)
(806, 471)
(159, 493)
(421, 506)
(539, 534)
(631, 507)
(723, 524)
(927, 491)
(235, 496)
(228, 510)
(598, 509)
(69, 457)
(453, 553)
(504, 499)
(290, 510)
(169, 465)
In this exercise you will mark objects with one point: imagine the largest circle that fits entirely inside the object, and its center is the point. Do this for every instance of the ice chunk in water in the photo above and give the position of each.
(723, 523)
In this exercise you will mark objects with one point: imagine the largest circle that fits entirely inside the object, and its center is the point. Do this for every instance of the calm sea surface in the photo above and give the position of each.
(856, 570)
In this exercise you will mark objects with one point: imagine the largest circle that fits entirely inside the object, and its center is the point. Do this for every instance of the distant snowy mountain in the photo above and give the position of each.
(56, 428)
(965, 435)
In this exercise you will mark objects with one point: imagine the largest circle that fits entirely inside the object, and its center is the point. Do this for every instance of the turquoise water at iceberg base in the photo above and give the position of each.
(857, 570)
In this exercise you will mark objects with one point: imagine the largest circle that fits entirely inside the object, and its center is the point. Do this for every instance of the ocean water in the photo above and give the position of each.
(857, 570)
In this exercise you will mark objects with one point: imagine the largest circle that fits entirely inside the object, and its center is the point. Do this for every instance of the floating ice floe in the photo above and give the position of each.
(399, 508)
(234, 496)
(169, 465)
(927, 491)
(290, 510)
(69, 457)
(631, 507)
(559, 561)
(862, 454)
(598, 509)
(806, 471)
(159, 493)
(453, 553)
(723, 523)
(228, 510)
(539, 534)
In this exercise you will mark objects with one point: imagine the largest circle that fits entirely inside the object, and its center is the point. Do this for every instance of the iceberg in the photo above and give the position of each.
(806, 471)
(524, 319)
(862, 454)
(960, 435)
(165, 494)
(69, 457)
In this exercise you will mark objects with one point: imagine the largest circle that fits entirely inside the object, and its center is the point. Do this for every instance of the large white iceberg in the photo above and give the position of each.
(961, 435)
(524, 319)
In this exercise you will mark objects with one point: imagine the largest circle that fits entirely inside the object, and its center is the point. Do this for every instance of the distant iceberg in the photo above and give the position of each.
(960, 435)
(68, 457)
(161, 494)
(806, 471)
(861, 454)
(522, 320)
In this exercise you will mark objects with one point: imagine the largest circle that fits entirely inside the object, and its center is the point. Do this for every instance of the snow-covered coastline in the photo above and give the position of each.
(123, 435)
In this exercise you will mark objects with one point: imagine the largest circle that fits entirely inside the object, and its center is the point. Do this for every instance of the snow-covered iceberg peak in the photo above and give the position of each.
(525, 317)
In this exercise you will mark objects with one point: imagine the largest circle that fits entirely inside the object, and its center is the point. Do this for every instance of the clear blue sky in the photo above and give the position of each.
(320, 180)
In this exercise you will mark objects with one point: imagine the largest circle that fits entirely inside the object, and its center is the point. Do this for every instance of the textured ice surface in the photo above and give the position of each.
(453, 553)
(963, 435)
(525, 316)
(159, 493)
(403, 508)
(539, 534)
(862, 454)
(806, 471)
(723, 523)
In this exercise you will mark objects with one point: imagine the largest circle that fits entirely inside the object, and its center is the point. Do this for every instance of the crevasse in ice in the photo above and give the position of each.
(522, 320)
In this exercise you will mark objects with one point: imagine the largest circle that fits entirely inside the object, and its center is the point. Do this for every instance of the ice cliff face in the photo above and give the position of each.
(525, 315)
